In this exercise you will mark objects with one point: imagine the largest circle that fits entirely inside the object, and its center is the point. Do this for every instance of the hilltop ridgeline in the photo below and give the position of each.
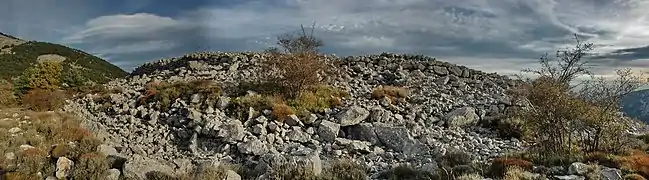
(17, 55)
(445, 110)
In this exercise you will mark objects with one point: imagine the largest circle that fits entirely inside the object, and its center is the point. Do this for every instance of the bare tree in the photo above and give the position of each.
(569, 64)
(607, 93)
(561, 119)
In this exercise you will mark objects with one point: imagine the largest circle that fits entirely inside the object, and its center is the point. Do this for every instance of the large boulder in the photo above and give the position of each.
(352, 116)
(611, 174)
(461, 117)
(232, 131)
(398, 139)
(115, 159)
(328, 131)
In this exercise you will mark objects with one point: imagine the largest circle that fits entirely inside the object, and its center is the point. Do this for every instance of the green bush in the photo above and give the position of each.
(313, 100)
(74, 79)
(511, 128)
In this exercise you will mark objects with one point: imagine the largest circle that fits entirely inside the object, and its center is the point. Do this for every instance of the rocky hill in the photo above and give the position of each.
(16, 55)
(446, 106)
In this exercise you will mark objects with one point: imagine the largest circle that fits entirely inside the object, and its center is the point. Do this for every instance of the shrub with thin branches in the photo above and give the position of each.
(298, 65)
(563, 122)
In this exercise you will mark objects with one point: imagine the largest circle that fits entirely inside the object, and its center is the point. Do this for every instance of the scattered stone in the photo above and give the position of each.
(113, 174)
(577, 168)
(462, 117)
(352, 116)
(14, 130)
(63, 167)
(611, 174)
(328, 131)
(255, 147)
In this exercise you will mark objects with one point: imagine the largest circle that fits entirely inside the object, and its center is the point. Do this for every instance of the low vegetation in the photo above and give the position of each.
(166, 93)
(297, 80)
(342, 169)
(297, 65)
(393, 93)
(500, 165)
(633, 177)
(564, 123)
(517, 173)
(7, 97)
(38, 139)
(44, 100)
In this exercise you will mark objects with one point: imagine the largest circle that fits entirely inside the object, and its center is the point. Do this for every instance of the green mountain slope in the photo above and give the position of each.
(16, 57)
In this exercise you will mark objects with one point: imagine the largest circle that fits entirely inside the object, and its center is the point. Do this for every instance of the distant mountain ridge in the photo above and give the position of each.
(16, 55)
(636, 104)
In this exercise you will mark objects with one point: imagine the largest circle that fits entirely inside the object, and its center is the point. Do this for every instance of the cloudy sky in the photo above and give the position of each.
(492, 35)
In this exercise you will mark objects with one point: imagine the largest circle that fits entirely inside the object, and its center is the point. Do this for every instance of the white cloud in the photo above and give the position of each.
(138, 47)
(503, 36)
(124, 26)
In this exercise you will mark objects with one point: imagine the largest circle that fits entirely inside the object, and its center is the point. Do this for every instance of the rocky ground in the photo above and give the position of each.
(446, 106)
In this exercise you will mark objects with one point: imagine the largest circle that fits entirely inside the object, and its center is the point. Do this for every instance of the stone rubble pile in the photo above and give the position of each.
(445, 110)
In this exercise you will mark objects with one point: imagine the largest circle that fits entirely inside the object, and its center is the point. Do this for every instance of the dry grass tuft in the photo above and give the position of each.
(344, 169)
(167, 93)
(53, 135)
(90, 166)
(633, 177)
(282, 111)
(392, 92)
(499, 165)
(518, 173)
(7, 97)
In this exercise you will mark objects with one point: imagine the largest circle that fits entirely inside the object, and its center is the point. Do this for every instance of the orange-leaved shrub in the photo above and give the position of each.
(637, 161)
(44, 100)
(282, 111)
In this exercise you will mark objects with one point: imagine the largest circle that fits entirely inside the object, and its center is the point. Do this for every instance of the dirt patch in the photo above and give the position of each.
(51, 57)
